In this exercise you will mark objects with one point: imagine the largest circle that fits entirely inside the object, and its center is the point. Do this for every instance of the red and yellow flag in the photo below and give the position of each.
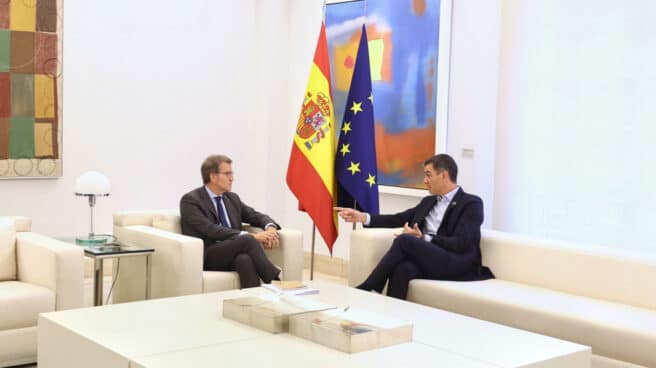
(311, 171)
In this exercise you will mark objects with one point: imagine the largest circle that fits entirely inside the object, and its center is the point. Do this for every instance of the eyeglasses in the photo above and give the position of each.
(226, 173)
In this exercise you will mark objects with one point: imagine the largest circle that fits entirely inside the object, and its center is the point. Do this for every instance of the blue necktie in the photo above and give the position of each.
(219, 209)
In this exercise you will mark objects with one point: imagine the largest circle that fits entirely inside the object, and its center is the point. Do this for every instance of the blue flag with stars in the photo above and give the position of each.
(355, 161)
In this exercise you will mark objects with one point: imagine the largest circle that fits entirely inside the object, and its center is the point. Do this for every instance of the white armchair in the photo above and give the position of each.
(177, 263)
(37, 274)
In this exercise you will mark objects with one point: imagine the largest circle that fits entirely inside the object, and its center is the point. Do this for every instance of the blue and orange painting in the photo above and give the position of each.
(403, 51)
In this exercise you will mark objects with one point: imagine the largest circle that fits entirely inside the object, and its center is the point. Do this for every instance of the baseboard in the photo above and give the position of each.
(332, 266)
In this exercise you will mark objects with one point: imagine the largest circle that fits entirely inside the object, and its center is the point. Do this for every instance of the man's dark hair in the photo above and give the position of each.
(444, 162)
(211, 165)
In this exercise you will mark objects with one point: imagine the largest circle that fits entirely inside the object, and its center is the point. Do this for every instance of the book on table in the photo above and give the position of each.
(350, 330)
(290, 288)
(270, 312)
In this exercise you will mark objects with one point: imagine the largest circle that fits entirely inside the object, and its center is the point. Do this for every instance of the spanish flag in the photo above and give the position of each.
(311, 175)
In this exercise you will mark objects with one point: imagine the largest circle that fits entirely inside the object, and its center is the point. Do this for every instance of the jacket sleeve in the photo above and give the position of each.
(395, 220)
(250, 216)
(467, 233)
(193, 216)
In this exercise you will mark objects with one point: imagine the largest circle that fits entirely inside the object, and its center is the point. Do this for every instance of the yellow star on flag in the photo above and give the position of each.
(347, 127)
(357, 106)
(354, 168)
(345, 149)
(371, 180)
(371, 97)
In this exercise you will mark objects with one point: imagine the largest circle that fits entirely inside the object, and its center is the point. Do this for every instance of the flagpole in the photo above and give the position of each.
(355, 205)
(314, 231)
(323, 11)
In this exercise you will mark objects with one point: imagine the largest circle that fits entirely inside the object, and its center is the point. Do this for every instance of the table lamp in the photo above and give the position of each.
(92, 184)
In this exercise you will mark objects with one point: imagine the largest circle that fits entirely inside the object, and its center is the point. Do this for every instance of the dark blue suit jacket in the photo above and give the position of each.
(459, 233)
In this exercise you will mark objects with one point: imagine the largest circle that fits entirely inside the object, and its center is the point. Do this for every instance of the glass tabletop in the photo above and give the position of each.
(108, 248)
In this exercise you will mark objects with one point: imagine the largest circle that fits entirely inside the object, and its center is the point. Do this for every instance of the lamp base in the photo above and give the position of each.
(93, 239)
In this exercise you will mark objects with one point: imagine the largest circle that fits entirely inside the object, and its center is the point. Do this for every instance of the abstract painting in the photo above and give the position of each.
(403, 49)
(30, 88)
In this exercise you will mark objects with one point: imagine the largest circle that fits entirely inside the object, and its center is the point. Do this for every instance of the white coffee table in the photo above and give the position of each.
(288, 351)
(189, 331)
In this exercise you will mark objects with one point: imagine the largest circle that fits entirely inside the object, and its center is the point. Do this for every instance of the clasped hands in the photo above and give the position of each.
(269, 238)
(352, 215)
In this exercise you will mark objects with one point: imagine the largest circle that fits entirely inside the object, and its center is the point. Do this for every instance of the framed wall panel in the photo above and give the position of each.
(30, 88)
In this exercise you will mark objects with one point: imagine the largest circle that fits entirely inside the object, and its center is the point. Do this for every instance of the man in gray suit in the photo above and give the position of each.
(215, 214)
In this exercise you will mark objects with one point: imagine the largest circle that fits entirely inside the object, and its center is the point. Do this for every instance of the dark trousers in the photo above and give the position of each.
(412, 258)
(244, 255)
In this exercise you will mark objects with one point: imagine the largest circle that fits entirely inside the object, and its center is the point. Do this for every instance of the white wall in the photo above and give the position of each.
(152, 87)
(473, 96)
(577, 100)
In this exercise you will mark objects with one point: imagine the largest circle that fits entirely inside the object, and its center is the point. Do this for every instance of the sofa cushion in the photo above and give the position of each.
(21, 303)
(7, 249)
(219, 281)
(22, 223)
(614, 275)
(599, 324)
(168, 221)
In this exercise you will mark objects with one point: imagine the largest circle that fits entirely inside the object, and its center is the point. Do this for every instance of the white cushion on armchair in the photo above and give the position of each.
(45, 275)
(177, 263)
(9, 226)
(7, 250)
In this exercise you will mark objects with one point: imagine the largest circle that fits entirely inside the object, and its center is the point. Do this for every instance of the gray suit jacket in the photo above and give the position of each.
(198, 217)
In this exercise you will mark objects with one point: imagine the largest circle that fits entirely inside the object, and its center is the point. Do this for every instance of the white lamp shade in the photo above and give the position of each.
(92, 183)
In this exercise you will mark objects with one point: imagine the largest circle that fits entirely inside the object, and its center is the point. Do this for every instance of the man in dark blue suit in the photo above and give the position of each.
(440, 237)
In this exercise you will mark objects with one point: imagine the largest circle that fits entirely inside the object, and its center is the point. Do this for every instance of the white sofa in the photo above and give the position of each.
(600, 297)
(37, 274)
(177, 263)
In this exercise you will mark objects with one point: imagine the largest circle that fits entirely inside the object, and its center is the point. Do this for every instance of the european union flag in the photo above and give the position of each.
(355, 161)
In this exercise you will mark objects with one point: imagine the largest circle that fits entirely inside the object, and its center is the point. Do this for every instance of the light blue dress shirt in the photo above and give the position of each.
(222, 209)
(434, 217)
(436, 214)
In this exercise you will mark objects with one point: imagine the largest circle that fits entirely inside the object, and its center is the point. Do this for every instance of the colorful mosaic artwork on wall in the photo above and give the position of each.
(30, 88)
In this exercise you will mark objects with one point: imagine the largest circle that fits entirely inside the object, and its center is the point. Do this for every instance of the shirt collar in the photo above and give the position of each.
(449, 196)
(210, 192)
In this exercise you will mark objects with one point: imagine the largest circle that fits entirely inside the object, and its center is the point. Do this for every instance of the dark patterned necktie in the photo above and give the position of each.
(220, 210)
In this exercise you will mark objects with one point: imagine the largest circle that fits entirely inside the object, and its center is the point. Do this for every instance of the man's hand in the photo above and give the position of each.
(269, 238)
(275, 238)
(414, 230)
(351, 215)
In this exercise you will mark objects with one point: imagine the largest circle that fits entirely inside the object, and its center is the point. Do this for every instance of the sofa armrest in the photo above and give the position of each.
(367, 248)
(53, 264)
(177, 264)
(289, 256)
